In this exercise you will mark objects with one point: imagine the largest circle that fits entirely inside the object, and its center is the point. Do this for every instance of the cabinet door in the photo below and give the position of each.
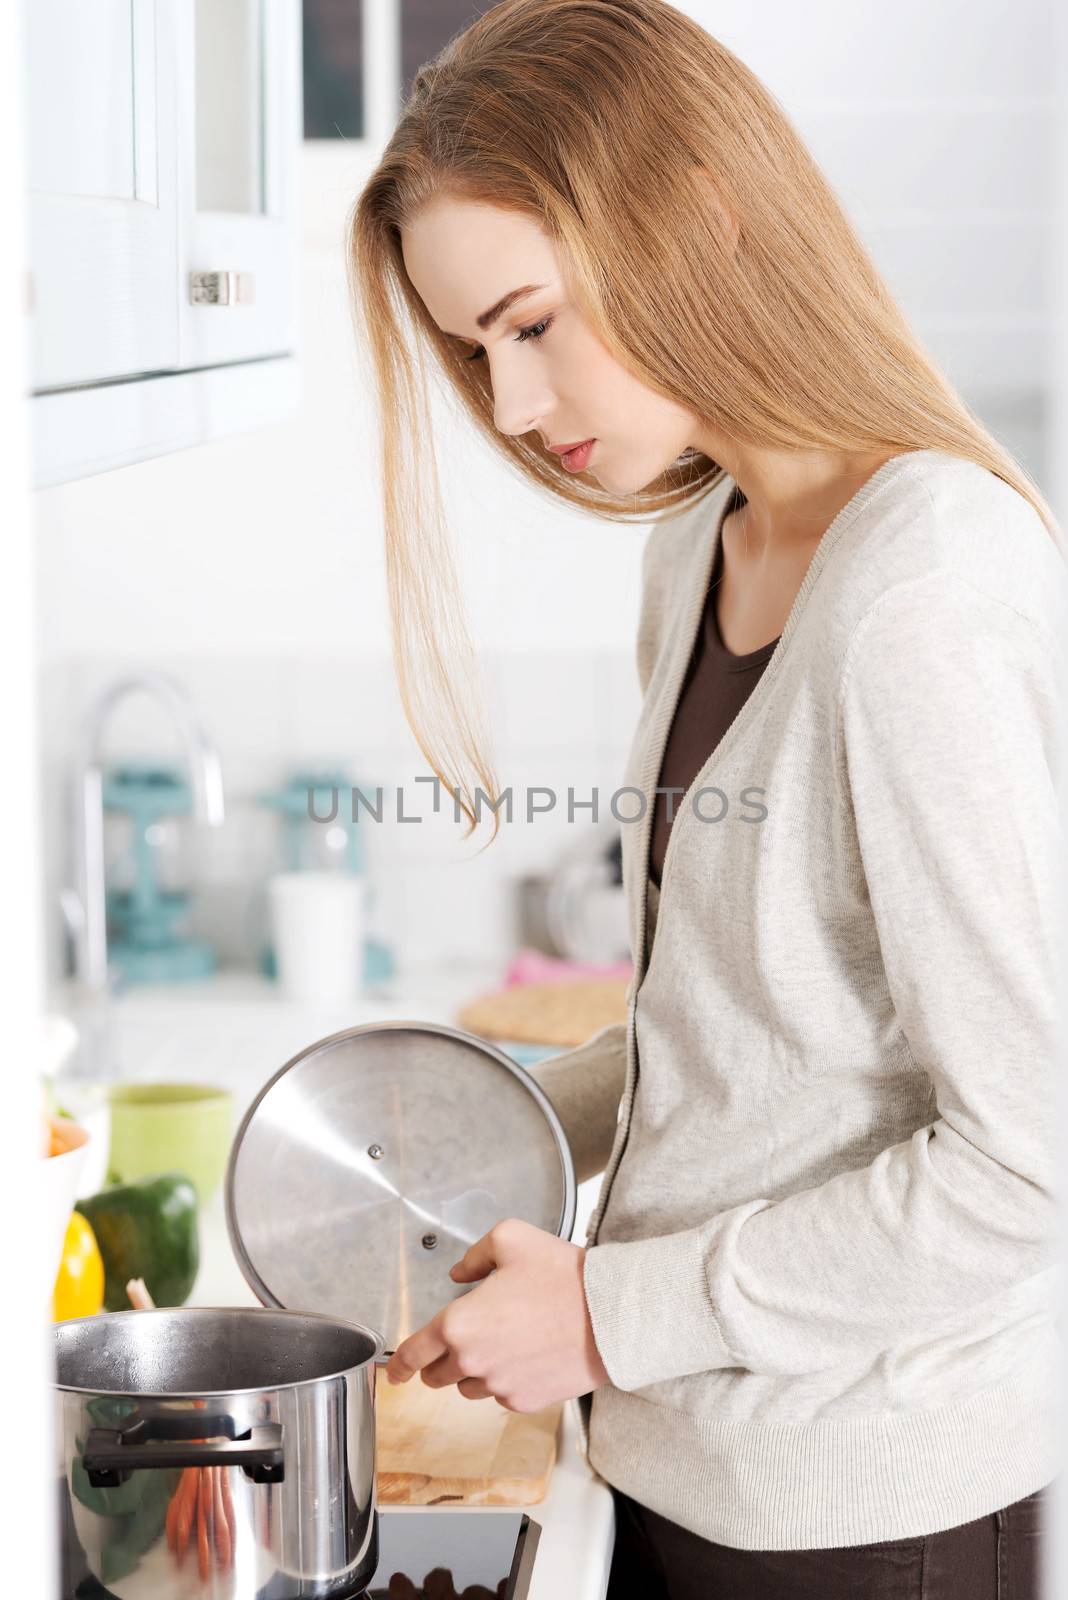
(240, 100)
(102, 207)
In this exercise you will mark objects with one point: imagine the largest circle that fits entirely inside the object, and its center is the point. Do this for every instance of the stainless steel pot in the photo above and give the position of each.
(276, 1408)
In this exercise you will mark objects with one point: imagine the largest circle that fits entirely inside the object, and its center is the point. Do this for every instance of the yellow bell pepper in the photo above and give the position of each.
(79, 1290)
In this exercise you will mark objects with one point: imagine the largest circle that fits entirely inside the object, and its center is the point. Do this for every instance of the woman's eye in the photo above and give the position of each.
(537, 330)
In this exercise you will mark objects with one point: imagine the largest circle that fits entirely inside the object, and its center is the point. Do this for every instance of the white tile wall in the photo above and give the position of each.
(1006, 267)
(559, 722)
(914, 51)
(994, 157)
(936, 124)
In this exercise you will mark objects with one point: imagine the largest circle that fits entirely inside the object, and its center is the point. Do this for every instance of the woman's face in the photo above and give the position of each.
(549, 372)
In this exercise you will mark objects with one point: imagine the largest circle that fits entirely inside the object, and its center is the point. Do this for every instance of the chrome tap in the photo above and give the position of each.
(84, 905)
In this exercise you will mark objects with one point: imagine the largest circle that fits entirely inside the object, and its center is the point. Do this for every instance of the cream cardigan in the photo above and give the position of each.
(822, 1273)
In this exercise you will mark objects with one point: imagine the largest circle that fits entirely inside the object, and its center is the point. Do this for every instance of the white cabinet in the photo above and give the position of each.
(162, 141)
(240, 72)
(101, 133)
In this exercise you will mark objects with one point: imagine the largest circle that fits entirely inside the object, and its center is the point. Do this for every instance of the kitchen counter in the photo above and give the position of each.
(236, 1028)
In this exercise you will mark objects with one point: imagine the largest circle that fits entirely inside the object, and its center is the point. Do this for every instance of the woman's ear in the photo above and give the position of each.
(708, 189)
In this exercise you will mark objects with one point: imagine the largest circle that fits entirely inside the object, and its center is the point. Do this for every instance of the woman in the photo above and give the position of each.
(813, 1326)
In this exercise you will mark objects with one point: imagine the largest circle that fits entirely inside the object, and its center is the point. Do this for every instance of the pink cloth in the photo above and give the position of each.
(531, 966)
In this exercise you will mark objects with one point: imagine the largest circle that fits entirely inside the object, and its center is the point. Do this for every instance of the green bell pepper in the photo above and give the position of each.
(146, 1230)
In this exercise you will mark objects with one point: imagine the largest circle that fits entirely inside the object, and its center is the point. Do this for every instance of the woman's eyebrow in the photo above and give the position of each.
(495, 312)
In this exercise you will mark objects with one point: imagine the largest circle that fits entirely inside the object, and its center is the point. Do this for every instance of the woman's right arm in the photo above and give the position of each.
(585, 1086)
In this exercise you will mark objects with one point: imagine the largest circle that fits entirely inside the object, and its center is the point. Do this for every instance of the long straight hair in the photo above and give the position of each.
(626, 130)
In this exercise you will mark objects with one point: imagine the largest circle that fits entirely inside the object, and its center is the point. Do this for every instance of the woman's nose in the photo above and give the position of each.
(518, 406)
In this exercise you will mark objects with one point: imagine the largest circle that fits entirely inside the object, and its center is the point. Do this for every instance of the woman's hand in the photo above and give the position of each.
(523, 1337)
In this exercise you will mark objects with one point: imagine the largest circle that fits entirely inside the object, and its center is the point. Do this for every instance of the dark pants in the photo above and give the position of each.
(995, 1557)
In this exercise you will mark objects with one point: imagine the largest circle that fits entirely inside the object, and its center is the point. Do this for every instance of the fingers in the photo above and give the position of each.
(472, 1266)
(454, 1364)
(484, 1255)
(432, 1349)
(417, 1351)
(475, 1389)
(447, 1369)
(438, 1585)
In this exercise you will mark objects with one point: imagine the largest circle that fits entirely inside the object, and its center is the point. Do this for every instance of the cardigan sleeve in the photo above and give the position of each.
(585, 1086)
(948, 750)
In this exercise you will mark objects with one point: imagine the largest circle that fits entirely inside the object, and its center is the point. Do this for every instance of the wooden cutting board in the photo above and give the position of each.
(434, 1447)
(561, 1013)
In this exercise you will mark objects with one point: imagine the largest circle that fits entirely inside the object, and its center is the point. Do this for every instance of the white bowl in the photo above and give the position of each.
(97, 1123)
(88, 1105)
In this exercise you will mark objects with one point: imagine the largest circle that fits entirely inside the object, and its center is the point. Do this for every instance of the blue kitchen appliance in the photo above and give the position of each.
(147, 916)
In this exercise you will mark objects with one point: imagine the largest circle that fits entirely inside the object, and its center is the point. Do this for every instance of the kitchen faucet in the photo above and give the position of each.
(84, 904)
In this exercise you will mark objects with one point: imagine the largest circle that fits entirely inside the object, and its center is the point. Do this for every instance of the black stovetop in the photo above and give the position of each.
(424, 1553)
(466, 1553)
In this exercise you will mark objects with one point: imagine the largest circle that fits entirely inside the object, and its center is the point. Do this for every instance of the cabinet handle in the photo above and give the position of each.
(221, 288)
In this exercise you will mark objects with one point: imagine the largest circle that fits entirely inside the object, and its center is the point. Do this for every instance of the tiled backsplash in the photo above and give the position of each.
(555, 721)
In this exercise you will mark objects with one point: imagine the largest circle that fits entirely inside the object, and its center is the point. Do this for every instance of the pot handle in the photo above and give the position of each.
(165, 1438)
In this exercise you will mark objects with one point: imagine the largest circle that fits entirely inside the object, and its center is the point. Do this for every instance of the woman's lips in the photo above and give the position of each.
(576, 459)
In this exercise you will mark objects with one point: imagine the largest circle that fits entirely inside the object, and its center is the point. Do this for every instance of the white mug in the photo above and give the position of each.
(318, 926)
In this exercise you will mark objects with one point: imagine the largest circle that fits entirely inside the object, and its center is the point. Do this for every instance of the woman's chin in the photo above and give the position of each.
(631, 485)
(631, 482)
(616, 483)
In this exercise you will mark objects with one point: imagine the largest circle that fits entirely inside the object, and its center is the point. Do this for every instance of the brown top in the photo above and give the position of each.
(716, 686)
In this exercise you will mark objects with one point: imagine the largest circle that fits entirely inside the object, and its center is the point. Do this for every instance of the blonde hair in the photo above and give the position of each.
(625, 129)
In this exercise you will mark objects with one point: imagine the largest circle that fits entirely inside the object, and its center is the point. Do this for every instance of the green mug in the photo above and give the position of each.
(170, 1127)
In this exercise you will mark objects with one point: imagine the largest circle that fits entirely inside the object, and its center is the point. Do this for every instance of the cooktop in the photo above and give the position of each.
(424, 1553)
(465, 1553)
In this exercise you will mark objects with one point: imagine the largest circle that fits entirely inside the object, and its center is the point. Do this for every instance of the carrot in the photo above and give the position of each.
(204, 1524)
(187, 1497)
(60, 1135)
(172, 1518)
(222, 1524)
(228, 1507)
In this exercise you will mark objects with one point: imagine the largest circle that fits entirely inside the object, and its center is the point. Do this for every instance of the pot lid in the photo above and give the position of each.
(371, 1161)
